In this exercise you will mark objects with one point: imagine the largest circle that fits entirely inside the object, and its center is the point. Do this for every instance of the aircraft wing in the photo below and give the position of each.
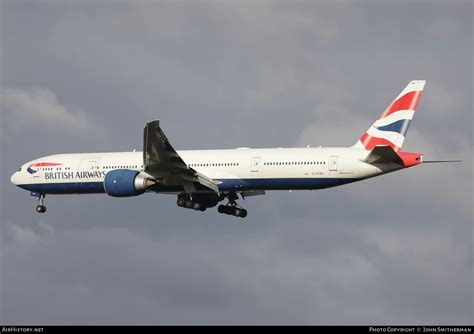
(383, 154)
(161, 161)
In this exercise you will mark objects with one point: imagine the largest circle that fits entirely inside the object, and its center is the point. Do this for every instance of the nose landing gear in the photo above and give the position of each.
(41, 208)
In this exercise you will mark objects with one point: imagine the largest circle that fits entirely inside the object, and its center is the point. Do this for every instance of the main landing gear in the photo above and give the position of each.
(232, 209)
(41, 208)
(200, 202)
(188, 203)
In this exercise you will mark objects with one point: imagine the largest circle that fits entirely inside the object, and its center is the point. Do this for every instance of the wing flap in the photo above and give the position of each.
(207, 182)
(249, 193)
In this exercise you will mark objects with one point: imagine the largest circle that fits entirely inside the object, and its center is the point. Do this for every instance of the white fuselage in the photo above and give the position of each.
(237, 170)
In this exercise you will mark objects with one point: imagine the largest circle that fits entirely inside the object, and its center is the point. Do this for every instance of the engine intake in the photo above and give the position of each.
(126, 183)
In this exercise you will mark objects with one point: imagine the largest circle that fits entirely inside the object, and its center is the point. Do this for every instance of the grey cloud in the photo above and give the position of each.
(26, 108)
(282, 278)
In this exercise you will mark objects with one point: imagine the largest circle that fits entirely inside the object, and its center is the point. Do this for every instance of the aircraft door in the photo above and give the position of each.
(89, 177)
(91, 165)
(88, 165)
(255, 164)
(333, 163)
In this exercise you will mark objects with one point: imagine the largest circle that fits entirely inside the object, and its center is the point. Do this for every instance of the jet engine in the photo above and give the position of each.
(126, 183)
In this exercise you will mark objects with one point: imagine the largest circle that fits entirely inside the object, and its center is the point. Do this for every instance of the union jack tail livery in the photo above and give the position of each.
(390, 129)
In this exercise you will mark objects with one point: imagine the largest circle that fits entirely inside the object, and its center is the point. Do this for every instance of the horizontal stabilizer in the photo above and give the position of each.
(383, 154)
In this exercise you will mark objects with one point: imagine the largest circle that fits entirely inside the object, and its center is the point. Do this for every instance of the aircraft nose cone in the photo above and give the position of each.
(14, 178)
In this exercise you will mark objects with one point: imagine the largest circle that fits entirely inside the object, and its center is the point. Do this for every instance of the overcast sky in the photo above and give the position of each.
(86, 76)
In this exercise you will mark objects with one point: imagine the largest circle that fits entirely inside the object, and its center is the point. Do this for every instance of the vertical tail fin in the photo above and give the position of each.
(391, 127)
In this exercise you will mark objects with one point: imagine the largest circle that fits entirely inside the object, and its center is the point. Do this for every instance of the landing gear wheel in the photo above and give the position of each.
(236, 212)
(197, 206)
(221, 209)
(180, 202)
(40, 208)
(188, 204)
(232, 210)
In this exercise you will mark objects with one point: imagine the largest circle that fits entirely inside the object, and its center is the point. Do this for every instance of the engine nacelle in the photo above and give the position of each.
(125, 183)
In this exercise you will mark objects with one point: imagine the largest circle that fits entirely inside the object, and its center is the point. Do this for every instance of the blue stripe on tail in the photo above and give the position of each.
(400, 126)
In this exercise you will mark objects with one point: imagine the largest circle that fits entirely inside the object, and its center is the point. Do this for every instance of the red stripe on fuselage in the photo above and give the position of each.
(45, 164)
(408, 101)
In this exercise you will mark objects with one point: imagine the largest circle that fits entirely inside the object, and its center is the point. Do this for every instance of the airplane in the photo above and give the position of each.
(201, 179)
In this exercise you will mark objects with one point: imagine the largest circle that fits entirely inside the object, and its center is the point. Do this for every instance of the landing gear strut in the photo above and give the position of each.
(41, 208)
(232, 208)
